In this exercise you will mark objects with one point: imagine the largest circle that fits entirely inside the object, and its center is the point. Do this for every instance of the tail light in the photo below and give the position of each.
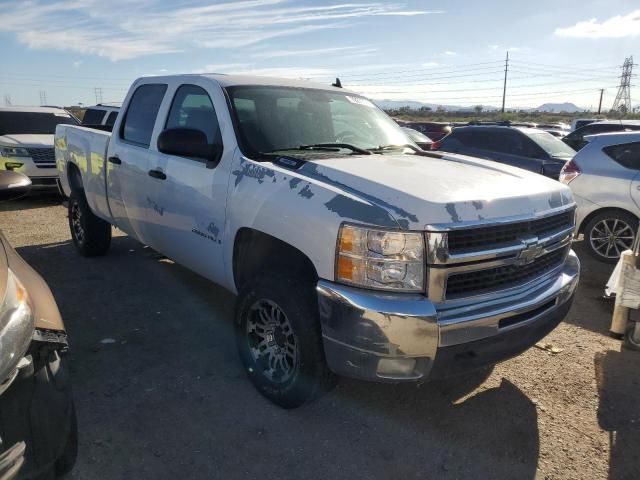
(436, 145)
(569, 172)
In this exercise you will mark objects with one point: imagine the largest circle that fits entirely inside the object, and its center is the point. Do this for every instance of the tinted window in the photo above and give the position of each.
(551, 145)
(141, 114)
(192, 108)
(93, 116)
(599, 128)
(111, 119)
(627, 154)
(33, 122)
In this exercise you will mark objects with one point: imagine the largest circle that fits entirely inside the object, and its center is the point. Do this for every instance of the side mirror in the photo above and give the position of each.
(189, 142)
(13, 185)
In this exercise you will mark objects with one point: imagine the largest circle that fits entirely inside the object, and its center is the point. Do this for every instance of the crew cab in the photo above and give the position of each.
(351, 251)
(26, 142)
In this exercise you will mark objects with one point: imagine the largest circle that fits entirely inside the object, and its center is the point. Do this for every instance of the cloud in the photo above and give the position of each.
(450, 53)
(120, 29)
(430, 64)
(494, 47)
(77, 63)
(615, 27)
(314, 52)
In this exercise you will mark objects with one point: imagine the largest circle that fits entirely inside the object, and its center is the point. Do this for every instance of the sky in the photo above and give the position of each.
(66, 52)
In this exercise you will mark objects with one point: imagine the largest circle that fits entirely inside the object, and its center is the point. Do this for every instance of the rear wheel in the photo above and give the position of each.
(90, 234)
(279, 340)
(610, 233)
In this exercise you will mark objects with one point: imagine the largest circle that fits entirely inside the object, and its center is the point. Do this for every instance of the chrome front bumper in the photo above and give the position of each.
(399, 337)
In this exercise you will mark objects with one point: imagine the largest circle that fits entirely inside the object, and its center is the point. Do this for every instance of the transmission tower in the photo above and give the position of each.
(623, 98)
(7, 100)
(43, 97)
(98, 92)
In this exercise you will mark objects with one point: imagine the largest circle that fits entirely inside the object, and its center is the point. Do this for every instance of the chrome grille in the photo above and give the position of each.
(43, 157)
(509, 276)
(475, 260)
(494, 236)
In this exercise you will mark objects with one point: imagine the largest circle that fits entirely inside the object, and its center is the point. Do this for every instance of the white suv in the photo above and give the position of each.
(26, 142)
(605, 179)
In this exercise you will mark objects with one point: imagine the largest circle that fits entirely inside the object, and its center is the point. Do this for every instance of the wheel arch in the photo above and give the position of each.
(255, 251)
(74, 177)
(591, 215)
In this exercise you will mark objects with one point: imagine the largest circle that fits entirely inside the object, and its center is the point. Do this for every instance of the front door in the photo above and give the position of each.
(188, 202)
(128, 161)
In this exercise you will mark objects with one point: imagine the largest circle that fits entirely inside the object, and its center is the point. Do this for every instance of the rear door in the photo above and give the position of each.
(628, 156)
(128, 160)
(187, 206)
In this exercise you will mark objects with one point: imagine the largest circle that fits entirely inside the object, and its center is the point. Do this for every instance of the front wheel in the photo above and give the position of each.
(90, 234)
(279, 340)
(610, 233)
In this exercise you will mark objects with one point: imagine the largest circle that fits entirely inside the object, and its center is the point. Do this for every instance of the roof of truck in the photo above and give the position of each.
(33, 109)
(238, 80)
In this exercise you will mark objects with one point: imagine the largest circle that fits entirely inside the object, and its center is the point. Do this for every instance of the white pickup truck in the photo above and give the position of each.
(352, 251)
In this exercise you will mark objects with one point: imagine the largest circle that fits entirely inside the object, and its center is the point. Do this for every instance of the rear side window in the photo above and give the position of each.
(141, 114)
(627, 154)
(111, 119)
(192, 108)
(93, 116)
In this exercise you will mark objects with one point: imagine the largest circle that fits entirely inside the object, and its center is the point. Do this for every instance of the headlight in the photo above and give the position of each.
(16, 325)
(380, 259)
(13, 151)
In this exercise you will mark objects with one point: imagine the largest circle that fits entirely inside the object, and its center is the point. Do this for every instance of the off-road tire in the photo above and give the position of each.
(90, 234)
(608, 216)
(296, 298)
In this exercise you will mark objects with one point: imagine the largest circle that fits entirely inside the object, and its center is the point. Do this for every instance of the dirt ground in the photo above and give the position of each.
(168, 397)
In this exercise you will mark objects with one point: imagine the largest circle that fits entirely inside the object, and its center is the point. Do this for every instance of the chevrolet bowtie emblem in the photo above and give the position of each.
(531, 251)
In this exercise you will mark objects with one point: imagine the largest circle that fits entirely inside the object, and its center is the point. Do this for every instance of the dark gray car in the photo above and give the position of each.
(528, 148)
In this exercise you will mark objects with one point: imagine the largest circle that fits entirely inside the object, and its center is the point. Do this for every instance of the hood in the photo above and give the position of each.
(27, 140)
(419, 191)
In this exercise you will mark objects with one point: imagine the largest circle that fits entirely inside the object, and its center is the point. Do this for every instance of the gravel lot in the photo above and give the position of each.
(169, 399)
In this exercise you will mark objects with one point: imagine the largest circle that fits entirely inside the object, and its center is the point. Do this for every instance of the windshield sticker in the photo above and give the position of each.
(360, 101)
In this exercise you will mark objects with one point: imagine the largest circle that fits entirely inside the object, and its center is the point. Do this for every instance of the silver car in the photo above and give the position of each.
(605, 179)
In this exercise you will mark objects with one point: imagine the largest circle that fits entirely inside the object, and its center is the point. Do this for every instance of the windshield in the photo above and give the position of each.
(32, 122)
(272, 119)
(552, 145)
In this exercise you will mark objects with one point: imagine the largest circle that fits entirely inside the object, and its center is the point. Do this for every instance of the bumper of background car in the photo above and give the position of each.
(36, 409)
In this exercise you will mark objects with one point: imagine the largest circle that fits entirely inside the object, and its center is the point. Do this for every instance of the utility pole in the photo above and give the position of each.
(600, 103)
(43, 97)
(504, 89)
(623, 97)
(98, 92)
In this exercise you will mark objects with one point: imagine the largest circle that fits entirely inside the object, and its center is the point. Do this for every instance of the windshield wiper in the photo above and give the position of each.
(335, 146)
(417, 150)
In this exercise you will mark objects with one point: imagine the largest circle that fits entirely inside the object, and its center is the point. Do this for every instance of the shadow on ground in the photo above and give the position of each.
(33, 200)
(160, 392)
(618, 377)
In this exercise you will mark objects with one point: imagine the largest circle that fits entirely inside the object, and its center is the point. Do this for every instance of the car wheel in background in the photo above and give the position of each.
(66, 461)
(610, 233)
(91, 235)
(279, 340)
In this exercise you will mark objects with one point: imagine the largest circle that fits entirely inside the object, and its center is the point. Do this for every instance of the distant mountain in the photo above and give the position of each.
(395, 104)
(559, 107)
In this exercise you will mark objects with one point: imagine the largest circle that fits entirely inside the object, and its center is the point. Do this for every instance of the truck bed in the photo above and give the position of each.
(86, 148)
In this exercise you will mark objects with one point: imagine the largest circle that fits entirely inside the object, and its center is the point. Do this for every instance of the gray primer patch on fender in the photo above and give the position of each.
(347, 207)
(211, 228)
(451, 210)
(293, 183)
(252, 171)
(311, 170)
(306, 192)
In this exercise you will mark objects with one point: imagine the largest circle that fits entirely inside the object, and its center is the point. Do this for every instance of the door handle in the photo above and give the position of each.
(159, 174)
(115, 160)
